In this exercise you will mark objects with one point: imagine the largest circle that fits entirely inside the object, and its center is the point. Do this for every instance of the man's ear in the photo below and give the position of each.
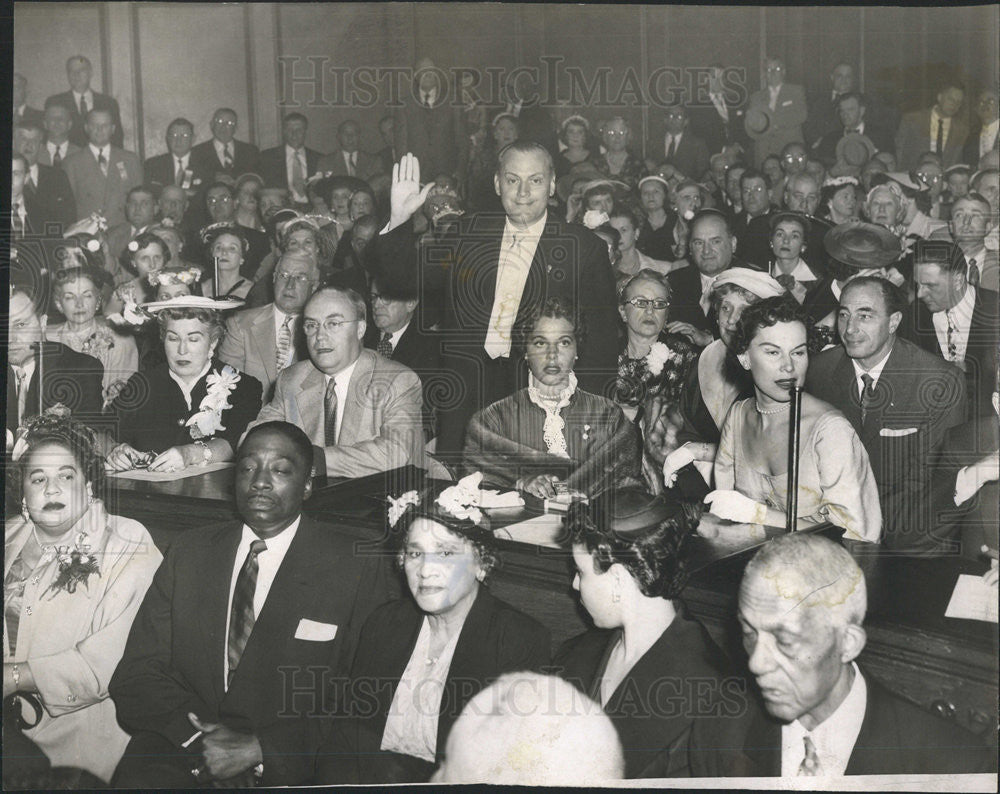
(852, 642)
(307, 489)
(496, 183)
(734, 243)
(894, 320)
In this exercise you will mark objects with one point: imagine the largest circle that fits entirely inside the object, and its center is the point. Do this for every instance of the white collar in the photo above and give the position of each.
(27, 368)
(965, 306)
(106, 149)
(833, 738)
(185, 389)
(89, 94)
(291, 152)
(220, 147)
(344, 376)
(875, 372)
(533, 231)
(800, 272)
(183, 159)
(278, 544)
(395, 336)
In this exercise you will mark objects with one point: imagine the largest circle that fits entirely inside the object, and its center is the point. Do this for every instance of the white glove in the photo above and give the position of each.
(734, 506)
(674, 462)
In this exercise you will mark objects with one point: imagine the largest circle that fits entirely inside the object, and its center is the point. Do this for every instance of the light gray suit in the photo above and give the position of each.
(46, 159)
(96, 193)
(381, 426)
(250, 345)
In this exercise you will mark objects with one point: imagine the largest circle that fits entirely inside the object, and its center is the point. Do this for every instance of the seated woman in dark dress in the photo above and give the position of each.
(552, 433)
(426, 655)
(188, 410)
(678, 708)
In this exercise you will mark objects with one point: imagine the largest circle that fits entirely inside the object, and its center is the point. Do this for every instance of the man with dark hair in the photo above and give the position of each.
(176, 166)
(681, 147)
(292, 163)
(852, 110)
(900, 399)
(223, 154)
(81, 99)
(984, 136)
(969, 225)
(140, 213)
(496, 270)
(237, 620)
(716, 117)
(775, 114)
(23, 112)
(955, 319)
(938, 129)
(823, 103)
(47, 194)
(756, 203)
(56, 122)
(349, 159)
(429, 124)
(101, 174)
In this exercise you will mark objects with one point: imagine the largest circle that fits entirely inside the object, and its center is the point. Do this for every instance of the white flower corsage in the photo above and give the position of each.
(76, 564)
(99, 221)
(133, 246)
(657, 356)
(93, 245)
(462, 499)
(594, 218)
(131, 313)
(208, 420)
(162, 278)
(398, 506)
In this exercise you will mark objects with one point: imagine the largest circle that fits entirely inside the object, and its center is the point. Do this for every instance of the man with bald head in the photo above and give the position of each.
(349, 159)
(81, 99)
(429, 125)
(265, 340)
(802, 606)
(289, 166)
(223, 154)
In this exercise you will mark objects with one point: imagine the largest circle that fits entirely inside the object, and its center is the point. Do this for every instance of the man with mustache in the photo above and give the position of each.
(205, 685)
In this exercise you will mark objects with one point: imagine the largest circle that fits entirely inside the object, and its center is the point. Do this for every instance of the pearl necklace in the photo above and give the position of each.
(771, 411)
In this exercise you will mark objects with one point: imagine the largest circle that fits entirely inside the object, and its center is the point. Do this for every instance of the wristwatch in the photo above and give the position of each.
(206, 452)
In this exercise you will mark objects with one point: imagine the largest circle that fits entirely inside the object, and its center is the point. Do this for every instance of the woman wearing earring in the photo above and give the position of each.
(427, 654)
(789, 232)
(74, 576)
(836, 483)
(678, 708)
(552, 434)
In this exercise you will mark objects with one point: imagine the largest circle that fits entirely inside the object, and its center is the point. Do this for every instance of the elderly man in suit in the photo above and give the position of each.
(140, 213)
(823, 104)
(428, 125)
(265, 340)
(177, 165)
(852, 109)
(937, 129)
(984, 136)
(494, 270)
(292, 163)
(900, 399)
(716, 118)
(56, 122)
(775, 114)
(81, 99)
(221, 682)
(956, 319)
(360, 410)
(802, 604)
(23, 112)
(47, 194)
(349, 159)
(223, 154)
(681, 147)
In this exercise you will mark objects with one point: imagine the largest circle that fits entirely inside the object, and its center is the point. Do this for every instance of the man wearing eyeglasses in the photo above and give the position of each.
(361, 410)
(224, 154)
(939, 129)
(775, 114)
(265, 340)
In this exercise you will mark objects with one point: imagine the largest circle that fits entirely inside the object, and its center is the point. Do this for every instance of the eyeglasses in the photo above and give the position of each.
(794, 158)
(927, 178)
(379, 298)
(296, 278)
(311, 327)
(645, 303)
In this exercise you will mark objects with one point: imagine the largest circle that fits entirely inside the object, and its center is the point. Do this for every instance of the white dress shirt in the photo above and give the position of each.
(961, 322)
(220, 150)
(428, 97)
(57, 147)
(517, 250)
(675, 139)
(706, 292)
(290, 156)
(875, 372)
(90, 99)
(185, 388)
(181, 163)
(773, 92)
(988, 136)
(343, 379)
(395, 336)
(350, 162)
(833, 738)
(268, 563)
(935, 116)
(26, 372)
(720, 105)
(800, 272)
(105, 150)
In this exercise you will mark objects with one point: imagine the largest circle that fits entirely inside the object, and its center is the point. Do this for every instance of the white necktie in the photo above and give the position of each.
(505, 302)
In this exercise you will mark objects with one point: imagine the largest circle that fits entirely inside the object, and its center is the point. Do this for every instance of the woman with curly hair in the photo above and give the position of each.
(74, 577)
(142, 257)
(552, 434)
(678, 709)
(226, 248)
(836, 483)
(429, 653)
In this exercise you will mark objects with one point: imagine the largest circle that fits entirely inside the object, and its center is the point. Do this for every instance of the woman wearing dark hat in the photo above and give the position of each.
(838, 200)
(424, 656)
(656, 236)
(678, 709)
(190, 409)
(580, 146)
(225, 249)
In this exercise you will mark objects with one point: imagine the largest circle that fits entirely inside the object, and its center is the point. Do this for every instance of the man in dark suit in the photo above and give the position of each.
(717, 118)
(756, 212)
(176, 166)
(23, 112)
(681, 147)
(140, 212)
(81, 99)
(428, 126)
(984, 136)
(954, 319)
(47, 195)
(851, 113)
(101, 174)
(530, 255)
(223, 154)
(937, 129)
(775, 114)
(802, 604)
(348, 159)
(801, 194)
(387, 154)
(823, 104)
(292, 163)
(57, 122)
(65, 376)
(222, 677)
(900, 399)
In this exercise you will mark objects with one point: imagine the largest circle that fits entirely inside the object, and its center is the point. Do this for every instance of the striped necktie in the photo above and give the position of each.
(102, 161)
(867, 393)
(810, 766)
(330, 414)
(284, 343)
(385, 345)
(952, 342)
(227, 156)
(241, 617)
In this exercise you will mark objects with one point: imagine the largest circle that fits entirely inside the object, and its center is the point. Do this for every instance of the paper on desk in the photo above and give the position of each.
(493, 499)
(973, 599)
(544, 530)
(145, 475)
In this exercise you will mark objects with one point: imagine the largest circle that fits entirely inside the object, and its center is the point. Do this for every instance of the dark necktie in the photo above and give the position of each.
(867, 393)
(810, 763)
(179, 176)
(241, 618)
(952, 341)
(973, 273)
(227, 156)
(102, 161)
(57, 156)
(672, 149)
(17, 225)
(939, 148)
(385, 345)
(83, 107)
(330, 412)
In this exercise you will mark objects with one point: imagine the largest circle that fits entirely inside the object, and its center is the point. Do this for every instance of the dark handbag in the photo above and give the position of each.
(23, 760)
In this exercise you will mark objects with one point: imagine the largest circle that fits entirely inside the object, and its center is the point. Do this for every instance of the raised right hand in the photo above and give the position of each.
(405, 195)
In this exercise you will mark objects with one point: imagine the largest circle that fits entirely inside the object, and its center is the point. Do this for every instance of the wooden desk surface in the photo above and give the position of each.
(945, 664)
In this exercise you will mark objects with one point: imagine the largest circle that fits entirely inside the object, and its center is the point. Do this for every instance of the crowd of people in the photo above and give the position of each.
(505, 303)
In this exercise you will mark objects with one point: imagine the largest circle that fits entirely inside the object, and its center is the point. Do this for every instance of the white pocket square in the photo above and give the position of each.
(314, 631)
(894, 432)
(786, 103)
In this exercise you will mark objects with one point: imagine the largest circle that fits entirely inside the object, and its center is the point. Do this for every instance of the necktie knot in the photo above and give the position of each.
(257, 547)
(810, 766)
(385, 345)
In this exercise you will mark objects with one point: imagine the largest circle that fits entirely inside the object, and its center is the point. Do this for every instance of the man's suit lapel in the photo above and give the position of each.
(309, 404)
(214, 580)
(358, 401)
(843, 382)
(896, 380)
(262, 332)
